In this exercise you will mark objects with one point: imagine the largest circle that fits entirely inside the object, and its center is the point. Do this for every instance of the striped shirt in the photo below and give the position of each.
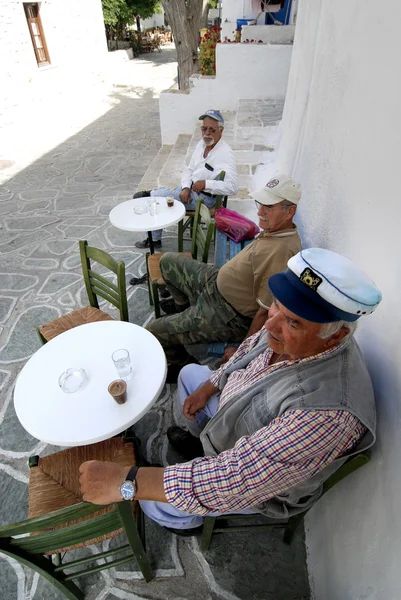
(291, 449)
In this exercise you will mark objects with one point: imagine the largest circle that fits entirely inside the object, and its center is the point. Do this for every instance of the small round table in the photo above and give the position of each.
(89, 415)
(123, 217)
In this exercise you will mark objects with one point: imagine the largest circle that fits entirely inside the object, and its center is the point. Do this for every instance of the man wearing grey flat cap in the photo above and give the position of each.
(273, 423)
(211, 156)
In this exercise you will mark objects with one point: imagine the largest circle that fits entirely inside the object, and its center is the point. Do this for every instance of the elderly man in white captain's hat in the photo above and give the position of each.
(273, 423)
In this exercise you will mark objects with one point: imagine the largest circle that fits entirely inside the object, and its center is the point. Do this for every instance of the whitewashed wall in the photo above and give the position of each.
(75, 37)
(156, 20)
(341, 139)
(242, 71)
(239, 9)
(269, 34)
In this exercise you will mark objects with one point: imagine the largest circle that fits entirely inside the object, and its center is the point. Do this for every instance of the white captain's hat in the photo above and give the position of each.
(323, 287)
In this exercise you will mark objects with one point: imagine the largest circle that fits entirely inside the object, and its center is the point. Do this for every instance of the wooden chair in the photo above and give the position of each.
(96, 285)
(190, 215)
(201, 239)
(219, 524)
(59, 521)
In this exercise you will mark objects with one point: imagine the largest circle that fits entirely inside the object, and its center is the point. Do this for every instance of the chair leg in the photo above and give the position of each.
(181, 235)
(155, 294)
(207, 532)
(291, 528)
(151, 302)
(134, 539)
(45, 567)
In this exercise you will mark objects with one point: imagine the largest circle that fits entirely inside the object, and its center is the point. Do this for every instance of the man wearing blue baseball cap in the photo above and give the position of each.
(211, 156)
(274, 422)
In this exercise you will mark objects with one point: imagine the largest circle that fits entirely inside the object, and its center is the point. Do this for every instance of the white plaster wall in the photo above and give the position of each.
(76, 42)
(243, 71)
(156, 20)
(341, 139)
(269, 34)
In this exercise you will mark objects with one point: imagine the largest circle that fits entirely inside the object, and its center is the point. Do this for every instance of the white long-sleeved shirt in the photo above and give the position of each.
(220, 158)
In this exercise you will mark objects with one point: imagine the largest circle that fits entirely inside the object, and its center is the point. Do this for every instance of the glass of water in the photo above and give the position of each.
(152, 206)
(122, 363)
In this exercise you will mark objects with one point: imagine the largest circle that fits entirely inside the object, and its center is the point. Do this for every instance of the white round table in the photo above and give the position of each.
(123, 216)
(89, 415)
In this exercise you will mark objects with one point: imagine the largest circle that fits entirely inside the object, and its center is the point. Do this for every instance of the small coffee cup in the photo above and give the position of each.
(170, 201)
(118, 389)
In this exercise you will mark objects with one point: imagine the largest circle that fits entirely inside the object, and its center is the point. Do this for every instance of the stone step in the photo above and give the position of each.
(171, 172)
(257, 121)
(150, 180)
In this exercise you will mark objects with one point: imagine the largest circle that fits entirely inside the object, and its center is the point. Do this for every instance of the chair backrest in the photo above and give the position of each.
(60, 529)
(98, 285)
(351, 465)
(202, 236)
(221, 200)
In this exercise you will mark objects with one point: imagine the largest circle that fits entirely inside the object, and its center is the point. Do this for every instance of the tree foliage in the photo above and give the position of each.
(124, 12)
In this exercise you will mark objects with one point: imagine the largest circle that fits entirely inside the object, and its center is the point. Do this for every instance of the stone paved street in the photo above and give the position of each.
(85, 151)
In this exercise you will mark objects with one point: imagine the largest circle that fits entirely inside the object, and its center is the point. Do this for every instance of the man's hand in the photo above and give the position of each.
(100, 481)
(199, 186)
(185, 195)
(194, 403)
(229, 352)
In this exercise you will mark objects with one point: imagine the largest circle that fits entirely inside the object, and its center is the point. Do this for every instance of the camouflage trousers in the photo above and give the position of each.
(208, 319)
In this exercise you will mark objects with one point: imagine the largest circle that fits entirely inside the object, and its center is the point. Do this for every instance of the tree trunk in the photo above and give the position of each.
(138, 23)
(205, 13)
(184, 17)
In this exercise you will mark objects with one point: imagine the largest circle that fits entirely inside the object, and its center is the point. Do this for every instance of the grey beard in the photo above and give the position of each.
(209, 143)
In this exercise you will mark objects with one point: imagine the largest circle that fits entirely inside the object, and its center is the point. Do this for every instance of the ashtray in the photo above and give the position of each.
(73, 380)
(140, 208)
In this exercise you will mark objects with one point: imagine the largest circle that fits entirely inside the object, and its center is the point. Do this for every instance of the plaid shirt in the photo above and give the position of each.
(291, 449)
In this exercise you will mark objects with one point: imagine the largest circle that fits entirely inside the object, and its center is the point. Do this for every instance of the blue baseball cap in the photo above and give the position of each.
(213, 114)
(323, 287)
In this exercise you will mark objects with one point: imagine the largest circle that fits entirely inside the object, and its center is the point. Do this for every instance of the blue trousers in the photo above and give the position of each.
(175, 193)
(191, 377)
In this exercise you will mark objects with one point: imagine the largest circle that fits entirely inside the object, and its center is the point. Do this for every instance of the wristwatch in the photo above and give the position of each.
(128, 487)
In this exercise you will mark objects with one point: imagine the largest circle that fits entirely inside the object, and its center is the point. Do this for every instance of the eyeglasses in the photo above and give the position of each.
(268, 207)
(210, 129)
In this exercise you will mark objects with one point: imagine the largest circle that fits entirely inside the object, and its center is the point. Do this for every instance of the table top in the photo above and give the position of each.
(123, 216)
(89, 415)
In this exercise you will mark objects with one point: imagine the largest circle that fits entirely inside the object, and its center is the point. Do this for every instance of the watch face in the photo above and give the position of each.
(127, 490)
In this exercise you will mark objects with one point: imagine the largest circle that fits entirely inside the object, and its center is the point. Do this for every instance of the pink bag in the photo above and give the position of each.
(235, 226)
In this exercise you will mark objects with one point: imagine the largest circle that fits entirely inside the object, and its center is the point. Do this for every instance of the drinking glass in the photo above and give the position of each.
(152, 206)
(122, 363)
(140, 208)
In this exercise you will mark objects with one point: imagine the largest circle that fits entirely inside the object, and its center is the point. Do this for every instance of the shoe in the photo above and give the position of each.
(168, 306)
(143, 194)
(184, 443)
(186, 532)
(163, 291)
(173, 370)
(146, 244)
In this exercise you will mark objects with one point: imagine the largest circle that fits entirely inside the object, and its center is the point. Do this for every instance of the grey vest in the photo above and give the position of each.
(339, 381)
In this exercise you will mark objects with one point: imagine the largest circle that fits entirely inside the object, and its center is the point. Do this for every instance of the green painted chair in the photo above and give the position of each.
(202, 233)
(219, 524)
(40, 541)
(184, 224)
(96, 286)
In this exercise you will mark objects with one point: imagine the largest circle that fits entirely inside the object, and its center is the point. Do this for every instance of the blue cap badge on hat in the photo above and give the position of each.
(322, 286)
(213, 114)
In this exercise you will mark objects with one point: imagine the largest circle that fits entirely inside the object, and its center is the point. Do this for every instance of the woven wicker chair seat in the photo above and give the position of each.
(81, 316)
(154, 270)
(191, 213)
(54, 483)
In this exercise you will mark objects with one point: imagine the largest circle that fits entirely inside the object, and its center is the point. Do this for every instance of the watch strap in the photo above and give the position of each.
(132, 474)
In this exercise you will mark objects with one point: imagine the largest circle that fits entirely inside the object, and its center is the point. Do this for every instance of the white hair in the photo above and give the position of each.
(329, 329)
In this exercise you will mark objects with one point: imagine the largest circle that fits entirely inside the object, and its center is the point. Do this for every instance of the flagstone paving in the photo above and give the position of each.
(52, 195)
